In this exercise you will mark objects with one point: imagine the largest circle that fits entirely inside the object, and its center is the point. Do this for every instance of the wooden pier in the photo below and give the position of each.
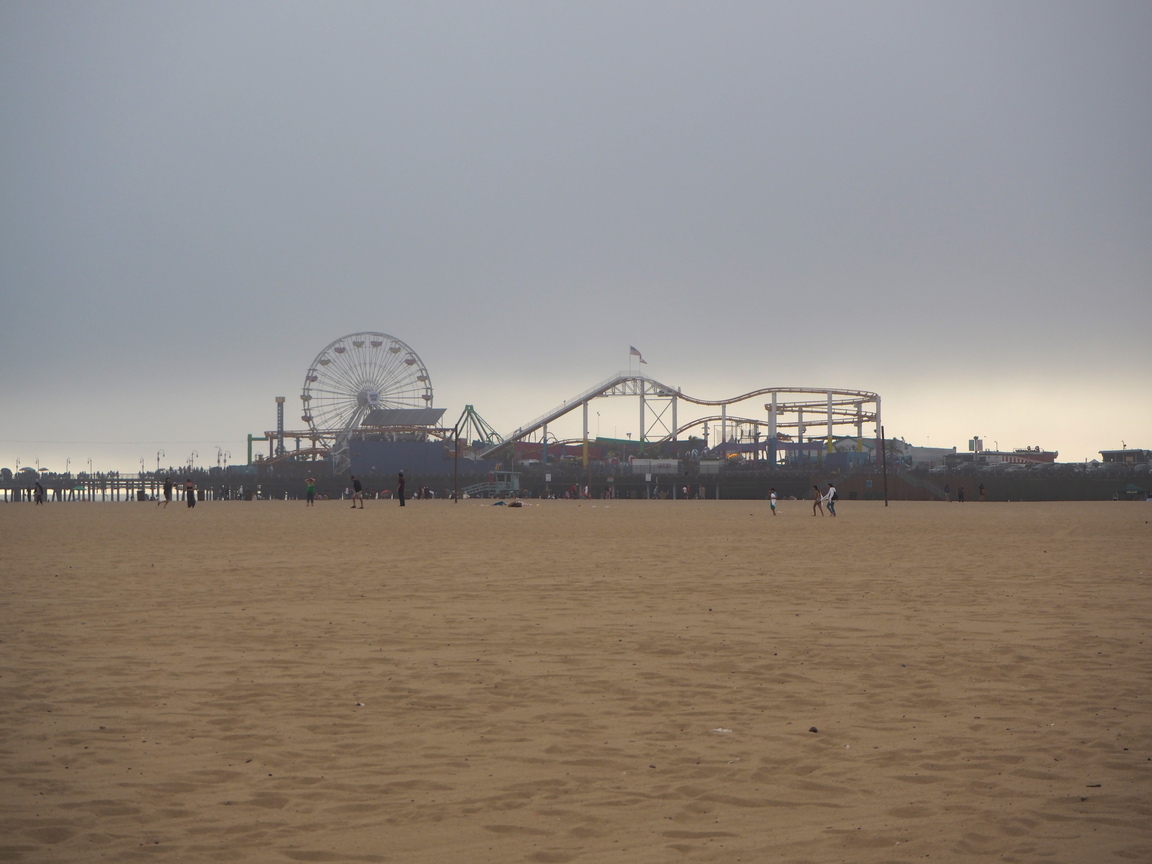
(100, 487)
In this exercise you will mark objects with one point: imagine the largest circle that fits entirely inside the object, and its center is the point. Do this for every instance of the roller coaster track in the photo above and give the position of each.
(839, 406)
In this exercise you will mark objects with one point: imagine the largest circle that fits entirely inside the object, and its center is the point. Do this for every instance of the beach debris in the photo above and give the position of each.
(813, 729)
(722, 731)
(359, 704)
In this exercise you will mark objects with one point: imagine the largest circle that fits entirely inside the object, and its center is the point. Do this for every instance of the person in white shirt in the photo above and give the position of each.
(772, 499)
(830, 499)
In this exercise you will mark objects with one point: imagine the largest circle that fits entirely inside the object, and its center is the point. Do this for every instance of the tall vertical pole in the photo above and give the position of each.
(884, 462)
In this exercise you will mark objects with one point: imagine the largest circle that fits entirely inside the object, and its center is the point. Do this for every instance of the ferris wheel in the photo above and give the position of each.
(357, 374)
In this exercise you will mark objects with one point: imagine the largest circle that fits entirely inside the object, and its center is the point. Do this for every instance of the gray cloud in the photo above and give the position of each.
(922, 199)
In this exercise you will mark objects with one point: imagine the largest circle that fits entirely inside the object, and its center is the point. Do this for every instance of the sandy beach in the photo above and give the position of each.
(576, 682)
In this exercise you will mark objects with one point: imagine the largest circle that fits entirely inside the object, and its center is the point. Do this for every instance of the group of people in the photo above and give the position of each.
(357, 490)
(189, 492)
(820, 500)
(960, 493)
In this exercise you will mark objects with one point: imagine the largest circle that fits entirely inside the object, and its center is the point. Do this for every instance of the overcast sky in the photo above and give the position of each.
(947, 203)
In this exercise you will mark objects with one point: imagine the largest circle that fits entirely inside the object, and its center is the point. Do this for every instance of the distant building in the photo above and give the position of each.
(1024, 456)
(929, 457)
(900, 452)
(1133, 456)
(1027, 456)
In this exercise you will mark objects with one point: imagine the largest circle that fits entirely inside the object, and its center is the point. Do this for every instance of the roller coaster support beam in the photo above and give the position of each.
(585, 434)
(772, 432)
(252, 438)
(828, 438)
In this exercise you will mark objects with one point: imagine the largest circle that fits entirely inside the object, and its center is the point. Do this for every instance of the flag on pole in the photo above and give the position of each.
(632, 352)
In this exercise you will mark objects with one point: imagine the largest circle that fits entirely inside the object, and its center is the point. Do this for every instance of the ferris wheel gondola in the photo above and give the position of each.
(359, 373)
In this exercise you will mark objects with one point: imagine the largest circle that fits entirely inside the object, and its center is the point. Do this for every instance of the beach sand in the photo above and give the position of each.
(576, 682)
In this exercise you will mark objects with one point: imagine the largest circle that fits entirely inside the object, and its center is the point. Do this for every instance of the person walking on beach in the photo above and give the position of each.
(310, 490)
(167, 493)
(830, 498)
(981, 491)
(771, 499)
(960, 493)
(357, 492)
(947, 493)
(189, 492)
(400, 487)
(38, 493)
(817, 500)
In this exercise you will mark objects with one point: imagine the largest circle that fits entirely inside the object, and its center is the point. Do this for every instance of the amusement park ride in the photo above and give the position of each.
(368, 384)
(373, 386)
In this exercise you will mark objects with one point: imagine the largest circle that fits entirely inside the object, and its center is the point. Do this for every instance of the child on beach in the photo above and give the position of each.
(817, 500)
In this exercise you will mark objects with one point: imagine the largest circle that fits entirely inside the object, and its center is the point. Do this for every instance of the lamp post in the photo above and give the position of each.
(192, 460)
(159, 453)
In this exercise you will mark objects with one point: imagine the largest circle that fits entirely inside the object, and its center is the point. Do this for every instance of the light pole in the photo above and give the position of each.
(192, 460)
(159, 453)
(67, 465)
(227, 456)
(219, 455)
